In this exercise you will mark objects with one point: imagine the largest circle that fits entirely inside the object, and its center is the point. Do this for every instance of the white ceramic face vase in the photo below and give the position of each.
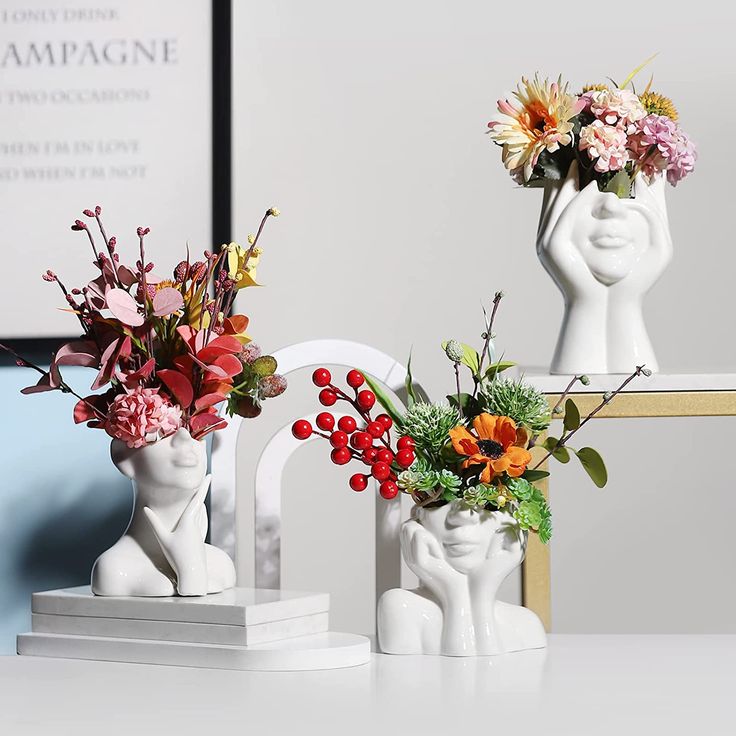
(162, 552)
(604, 254)
(461, 556)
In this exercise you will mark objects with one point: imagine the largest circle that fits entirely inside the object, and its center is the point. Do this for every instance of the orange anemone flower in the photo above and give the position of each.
(495, 445)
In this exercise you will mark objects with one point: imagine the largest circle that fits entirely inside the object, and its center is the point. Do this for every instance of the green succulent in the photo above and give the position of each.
(518, 400)
(478, 496)
(429, 424)
(421, 478)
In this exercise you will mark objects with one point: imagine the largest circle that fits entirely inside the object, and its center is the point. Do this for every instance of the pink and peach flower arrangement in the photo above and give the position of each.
(167, 351)
(612, 132)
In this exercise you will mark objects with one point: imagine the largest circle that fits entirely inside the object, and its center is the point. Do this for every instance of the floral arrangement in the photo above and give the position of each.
(484, 447)
(612, 132)
(168, 350)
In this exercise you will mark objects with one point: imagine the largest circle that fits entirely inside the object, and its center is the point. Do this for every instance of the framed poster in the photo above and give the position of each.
(100, 104)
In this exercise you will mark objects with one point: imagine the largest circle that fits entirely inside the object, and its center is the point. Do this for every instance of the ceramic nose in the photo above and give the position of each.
(462, 515)
(609, 206)
(181, 437)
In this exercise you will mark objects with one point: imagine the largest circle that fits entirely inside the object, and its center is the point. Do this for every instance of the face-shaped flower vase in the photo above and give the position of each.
(163, 552)
(461, 556)
(604, 253)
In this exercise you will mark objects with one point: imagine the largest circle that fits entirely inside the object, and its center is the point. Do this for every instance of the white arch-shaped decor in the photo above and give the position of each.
(273, 459)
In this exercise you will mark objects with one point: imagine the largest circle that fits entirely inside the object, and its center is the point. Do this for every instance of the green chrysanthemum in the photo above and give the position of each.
(428, 425)
(518, 400)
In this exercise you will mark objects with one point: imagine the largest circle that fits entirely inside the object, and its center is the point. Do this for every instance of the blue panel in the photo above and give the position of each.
(62, 502)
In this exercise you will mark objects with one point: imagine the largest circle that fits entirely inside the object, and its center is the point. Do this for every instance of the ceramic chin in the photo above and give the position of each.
(604, 253)
(163, 552)
(461, 556)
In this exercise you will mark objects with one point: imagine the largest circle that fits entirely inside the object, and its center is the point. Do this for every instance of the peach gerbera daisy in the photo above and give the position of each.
(539, 120)
(495, 446)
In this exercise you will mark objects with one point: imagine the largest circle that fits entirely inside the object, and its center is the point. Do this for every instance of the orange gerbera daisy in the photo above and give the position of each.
(495, 445)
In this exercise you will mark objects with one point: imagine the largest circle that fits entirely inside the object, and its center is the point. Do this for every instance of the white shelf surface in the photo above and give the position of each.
(541, 379)
(580, 686)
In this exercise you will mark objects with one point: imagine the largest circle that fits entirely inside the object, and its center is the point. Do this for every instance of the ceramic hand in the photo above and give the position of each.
(424, 557)
(508, 542)
(505, 553)
(658, 254)
(183, 545)
(555, 242)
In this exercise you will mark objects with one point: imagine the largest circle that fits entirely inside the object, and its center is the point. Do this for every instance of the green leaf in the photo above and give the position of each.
(384, 400)
(534, 475)
(558, 453)
(620, 185)
(572, 415)
(467, 404)
(409, 383)
(594, 465)
(545, 530)
(502, 365)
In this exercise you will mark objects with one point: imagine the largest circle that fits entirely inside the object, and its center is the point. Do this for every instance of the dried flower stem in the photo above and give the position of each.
(565, 393)
(607, 398)
(64, 387)
(489, 329)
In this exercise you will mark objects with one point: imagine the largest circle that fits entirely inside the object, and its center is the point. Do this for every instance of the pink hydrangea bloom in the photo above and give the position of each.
(606, 146)
(660, 145)
(142, 416)
(620, 107)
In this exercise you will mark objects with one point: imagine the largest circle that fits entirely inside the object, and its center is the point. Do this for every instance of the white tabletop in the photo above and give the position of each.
(591, 685)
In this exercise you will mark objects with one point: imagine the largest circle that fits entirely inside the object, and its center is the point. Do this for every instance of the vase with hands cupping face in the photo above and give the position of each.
(163, 552)
(461, 556)
(604, 253)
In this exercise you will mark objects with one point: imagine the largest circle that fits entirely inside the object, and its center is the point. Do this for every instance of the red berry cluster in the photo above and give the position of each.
(369, 444)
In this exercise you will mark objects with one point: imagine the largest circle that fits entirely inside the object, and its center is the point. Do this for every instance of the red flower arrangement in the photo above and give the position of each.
(169, 350)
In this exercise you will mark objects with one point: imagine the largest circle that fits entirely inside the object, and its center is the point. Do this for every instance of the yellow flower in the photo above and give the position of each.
(539, 120)
(241, 265)
(274, 211)
(595, 88)
(658, 105)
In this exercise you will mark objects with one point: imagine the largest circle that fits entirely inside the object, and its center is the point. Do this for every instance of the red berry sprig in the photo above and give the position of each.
(369, 444)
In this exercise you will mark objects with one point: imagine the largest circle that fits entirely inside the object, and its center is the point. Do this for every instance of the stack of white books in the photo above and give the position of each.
(241, 628)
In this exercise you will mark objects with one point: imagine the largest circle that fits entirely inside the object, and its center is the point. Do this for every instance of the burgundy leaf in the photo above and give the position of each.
(131, 380)
(167, 301)
(44, 384)
(109, 360)
(126, 276)
(229, 364)
(78, 352)
(203, 402)
(123, 306)
(202, 424)
(179, 385)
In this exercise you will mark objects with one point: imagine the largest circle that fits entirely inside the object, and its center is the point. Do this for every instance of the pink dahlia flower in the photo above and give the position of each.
(660, 145)
(142, 416)
(606, 146)
(619, 107)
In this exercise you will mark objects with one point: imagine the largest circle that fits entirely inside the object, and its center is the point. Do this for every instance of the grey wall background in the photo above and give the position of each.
(365, 124)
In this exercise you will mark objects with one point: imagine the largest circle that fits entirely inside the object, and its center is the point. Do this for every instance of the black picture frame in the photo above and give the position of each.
(39, 350)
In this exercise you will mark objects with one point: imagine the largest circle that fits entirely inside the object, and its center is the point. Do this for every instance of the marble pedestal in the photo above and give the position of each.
(240, 628)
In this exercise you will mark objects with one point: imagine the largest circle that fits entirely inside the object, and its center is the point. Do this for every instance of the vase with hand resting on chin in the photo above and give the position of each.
(604, 253)
(163, 552)
(461, 556)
